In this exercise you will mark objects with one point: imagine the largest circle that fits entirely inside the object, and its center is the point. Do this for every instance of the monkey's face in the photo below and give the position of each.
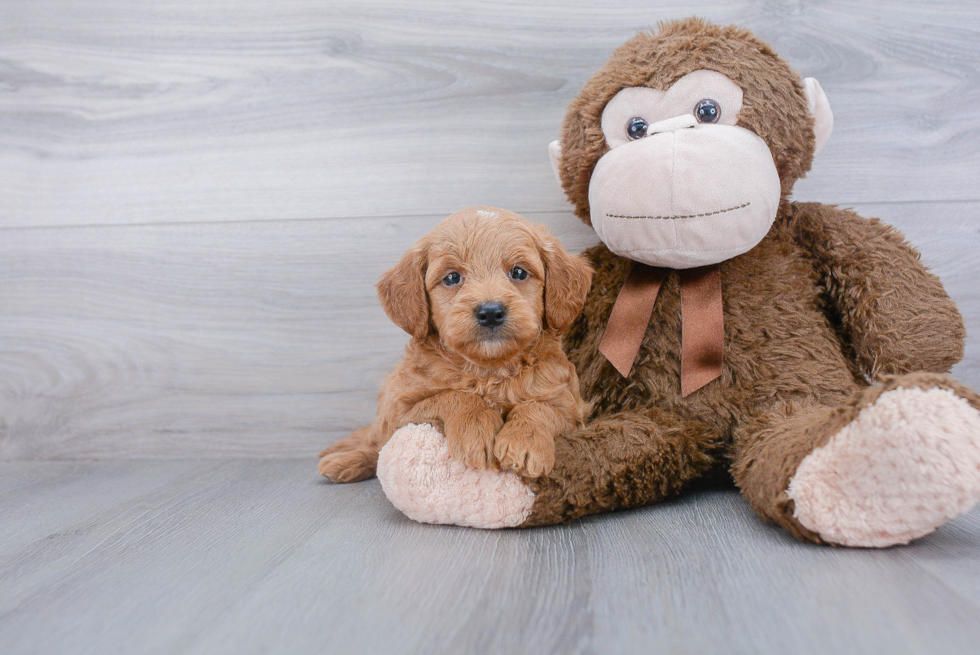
(679, 150)
(682, 185)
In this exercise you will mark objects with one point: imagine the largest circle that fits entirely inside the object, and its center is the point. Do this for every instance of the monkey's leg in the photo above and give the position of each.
(617, 461)
(891, 464)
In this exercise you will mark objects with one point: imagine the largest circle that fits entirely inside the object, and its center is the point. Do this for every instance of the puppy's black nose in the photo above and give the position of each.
(490, 314)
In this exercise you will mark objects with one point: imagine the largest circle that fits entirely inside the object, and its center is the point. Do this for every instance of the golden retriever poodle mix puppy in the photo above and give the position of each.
(486, 297)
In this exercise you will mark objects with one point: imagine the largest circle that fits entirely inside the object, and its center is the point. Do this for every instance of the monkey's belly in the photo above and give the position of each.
(779, 342)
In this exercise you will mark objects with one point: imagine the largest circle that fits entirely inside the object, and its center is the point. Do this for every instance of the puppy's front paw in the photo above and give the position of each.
(338, 447)
(524, 450)
(470, 439)
(348, 466)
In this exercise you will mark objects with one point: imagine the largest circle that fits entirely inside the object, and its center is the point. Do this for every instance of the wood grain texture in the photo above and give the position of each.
(222, 339)
(254, 339)
(115, 111)
(195, 202)
(256, 556)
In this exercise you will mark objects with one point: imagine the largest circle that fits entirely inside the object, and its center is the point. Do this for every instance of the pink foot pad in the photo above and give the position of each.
(427, 485)
(902, 468)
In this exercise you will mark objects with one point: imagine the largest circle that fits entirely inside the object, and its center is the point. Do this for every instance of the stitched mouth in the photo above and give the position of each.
(668, 218)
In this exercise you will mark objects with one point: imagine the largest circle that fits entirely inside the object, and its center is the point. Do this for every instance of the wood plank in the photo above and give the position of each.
(122, 112)
(952, 557)
(711, 564)
(111, 574)
(186, 340)
(254, 338)
(259, 556)
(65, 509)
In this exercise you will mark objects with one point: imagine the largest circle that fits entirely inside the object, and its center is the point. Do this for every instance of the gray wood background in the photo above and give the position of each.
(250, 556)
(196, 199)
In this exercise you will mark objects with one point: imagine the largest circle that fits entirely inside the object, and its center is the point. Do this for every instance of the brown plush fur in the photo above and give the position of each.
(499, 396)
(770, 446)
(827, 303)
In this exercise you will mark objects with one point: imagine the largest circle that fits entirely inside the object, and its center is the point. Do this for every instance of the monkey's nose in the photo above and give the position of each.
(671, 124)
(490, 314)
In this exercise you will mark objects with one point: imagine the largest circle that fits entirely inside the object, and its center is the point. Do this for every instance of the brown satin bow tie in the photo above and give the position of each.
(702, 322)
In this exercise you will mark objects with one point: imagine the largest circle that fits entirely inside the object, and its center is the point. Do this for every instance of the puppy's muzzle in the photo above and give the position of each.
(490, 314)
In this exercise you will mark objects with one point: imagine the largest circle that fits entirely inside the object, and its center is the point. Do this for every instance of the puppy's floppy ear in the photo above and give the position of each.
(402, 292)
(567, 279)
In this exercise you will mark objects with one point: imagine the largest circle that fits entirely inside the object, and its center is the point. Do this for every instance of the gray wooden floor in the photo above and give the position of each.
(196, 199)
(244, 556)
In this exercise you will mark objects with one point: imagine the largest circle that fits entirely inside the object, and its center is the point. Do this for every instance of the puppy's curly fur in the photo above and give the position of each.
(500, 389)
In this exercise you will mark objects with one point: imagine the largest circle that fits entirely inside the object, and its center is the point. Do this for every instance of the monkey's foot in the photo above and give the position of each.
(427, 485)
(903, 467)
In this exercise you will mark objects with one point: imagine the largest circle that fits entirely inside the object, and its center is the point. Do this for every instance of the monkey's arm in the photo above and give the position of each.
(893, 314)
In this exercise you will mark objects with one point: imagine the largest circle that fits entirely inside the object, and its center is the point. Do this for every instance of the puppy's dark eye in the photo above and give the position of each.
(452, 279)
(707, 111)
(636, 128)
(518, 273)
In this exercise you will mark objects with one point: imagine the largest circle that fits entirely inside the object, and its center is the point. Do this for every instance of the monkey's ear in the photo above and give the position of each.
(819, 106)
(567, 279)
(554, 149)
(402, 292)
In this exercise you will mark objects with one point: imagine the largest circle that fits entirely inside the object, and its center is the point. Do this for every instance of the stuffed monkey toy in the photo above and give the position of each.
(799, 346)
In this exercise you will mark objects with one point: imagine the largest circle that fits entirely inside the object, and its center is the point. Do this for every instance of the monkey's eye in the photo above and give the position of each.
(518, 273)
(637, 128)
(452, 279)
(707, 111)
